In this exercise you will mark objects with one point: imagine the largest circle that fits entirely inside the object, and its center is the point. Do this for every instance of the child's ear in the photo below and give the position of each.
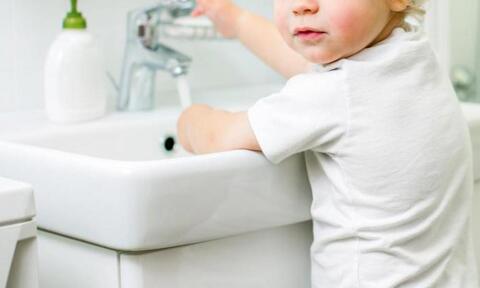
(398, 5)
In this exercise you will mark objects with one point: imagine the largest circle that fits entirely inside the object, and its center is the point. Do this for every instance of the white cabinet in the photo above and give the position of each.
(277, 257)
(18, 250)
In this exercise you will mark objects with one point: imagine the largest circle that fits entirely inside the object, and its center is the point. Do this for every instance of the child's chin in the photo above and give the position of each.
(320, 57)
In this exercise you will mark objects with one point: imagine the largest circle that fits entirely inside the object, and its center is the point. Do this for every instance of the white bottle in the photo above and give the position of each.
(74, 74)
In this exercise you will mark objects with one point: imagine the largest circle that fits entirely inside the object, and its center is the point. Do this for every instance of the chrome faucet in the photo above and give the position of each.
(144, 54)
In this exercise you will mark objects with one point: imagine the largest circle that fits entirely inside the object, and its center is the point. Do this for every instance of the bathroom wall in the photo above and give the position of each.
(463, 31)
(27, 28)
(6, 47)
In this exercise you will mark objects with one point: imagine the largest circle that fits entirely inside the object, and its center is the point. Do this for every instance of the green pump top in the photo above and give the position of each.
(74, 19)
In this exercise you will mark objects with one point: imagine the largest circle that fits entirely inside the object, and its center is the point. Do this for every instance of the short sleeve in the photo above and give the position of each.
(309, 113)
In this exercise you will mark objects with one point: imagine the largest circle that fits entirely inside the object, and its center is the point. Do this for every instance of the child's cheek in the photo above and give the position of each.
(345, 21)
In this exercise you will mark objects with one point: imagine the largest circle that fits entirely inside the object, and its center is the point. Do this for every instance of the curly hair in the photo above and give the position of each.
(415, 8)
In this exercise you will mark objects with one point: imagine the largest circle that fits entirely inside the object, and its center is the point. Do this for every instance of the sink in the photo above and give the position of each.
(122, 136)
(113, 183)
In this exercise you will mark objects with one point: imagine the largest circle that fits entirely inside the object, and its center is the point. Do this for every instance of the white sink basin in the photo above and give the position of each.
(122, 136)
(110, 182)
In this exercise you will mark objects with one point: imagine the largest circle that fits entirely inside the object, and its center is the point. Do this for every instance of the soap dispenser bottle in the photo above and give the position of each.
(74, 83)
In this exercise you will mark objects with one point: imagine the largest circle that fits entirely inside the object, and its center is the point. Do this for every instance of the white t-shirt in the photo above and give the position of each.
(389, 162)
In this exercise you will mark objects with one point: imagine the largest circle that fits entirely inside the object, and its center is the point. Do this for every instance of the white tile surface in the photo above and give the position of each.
(35, 24)
(6, 54)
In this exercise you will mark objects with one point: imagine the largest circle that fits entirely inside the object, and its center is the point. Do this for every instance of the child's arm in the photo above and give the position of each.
(256, 33)
(202, 129)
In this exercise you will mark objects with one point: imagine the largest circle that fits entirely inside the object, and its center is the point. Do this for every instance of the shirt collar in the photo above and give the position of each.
(328, 67)
(398, 34)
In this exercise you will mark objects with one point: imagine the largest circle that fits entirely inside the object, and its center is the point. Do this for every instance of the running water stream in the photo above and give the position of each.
(183, 89)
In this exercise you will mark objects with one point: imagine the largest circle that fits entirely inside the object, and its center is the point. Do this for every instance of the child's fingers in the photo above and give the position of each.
(197, 11)
(199, 8)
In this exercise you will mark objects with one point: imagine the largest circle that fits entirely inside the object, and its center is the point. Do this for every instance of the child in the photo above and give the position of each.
(386, 146)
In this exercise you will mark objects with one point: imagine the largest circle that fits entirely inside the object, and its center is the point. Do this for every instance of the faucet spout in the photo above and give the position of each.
(145, 55)
(165, 58)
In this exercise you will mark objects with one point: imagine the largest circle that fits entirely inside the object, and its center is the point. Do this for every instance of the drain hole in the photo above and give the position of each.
(169, 143)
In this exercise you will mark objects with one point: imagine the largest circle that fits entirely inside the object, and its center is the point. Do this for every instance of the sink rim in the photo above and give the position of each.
(130, 185)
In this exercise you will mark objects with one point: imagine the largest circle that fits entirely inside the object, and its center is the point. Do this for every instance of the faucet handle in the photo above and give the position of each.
(174, 8)
(178, 4)
(146, 32)
(184, 8)
(145, 21)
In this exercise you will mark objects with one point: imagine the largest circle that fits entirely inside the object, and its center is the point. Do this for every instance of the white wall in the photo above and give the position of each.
(463, 31)
(6, 46)
(453, 27)
(27, 27)
(437, 23)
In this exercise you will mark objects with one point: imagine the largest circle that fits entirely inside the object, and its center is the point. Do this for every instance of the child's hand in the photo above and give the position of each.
(203, 129)
(223, 13)
(193, 125)
(255, 32)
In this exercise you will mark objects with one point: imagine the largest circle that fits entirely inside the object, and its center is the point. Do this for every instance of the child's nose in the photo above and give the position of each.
(302, 7)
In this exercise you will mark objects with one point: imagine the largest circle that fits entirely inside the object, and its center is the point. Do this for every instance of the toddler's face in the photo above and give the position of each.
(326, 30)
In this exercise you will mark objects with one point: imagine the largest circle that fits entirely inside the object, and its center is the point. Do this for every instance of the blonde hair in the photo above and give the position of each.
(415, 8)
